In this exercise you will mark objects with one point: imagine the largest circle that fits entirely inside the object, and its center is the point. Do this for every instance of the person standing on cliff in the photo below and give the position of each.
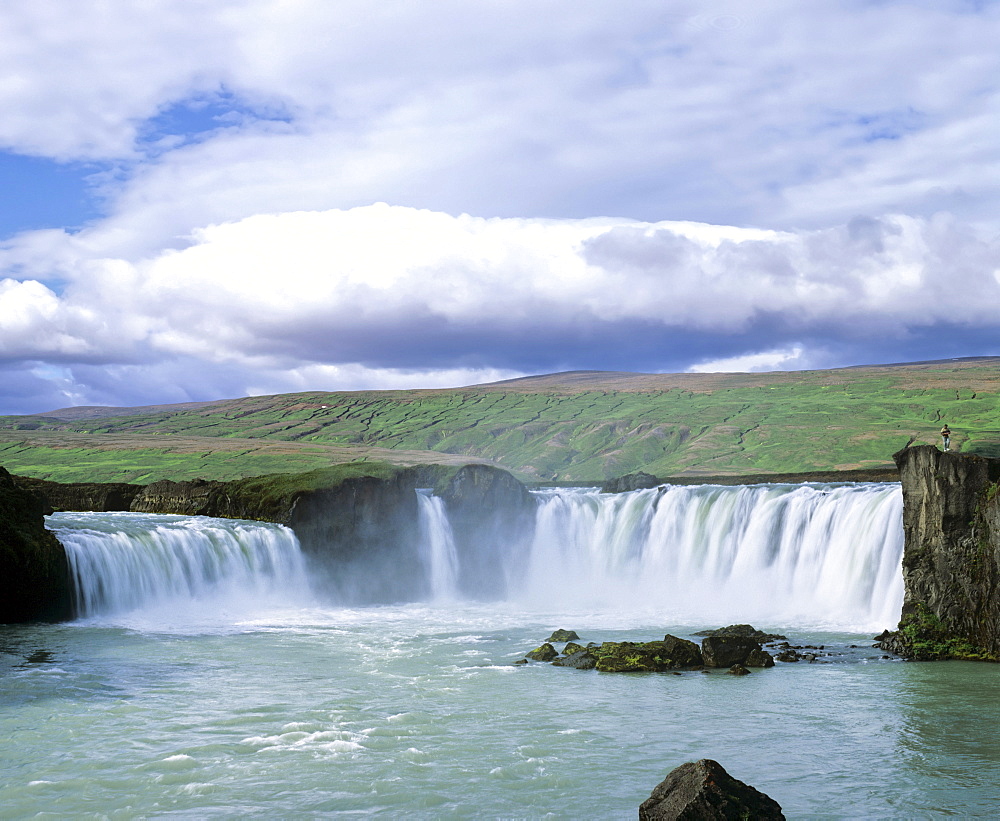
(946, 437)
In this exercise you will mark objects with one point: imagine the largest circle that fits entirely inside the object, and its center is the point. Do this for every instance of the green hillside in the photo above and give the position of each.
(582, 426)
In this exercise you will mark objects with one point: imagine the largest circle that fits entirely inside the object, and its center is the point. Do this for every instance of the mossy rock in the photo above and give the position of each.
(652, 656)
(572, 648)
(563, 635)
(544, 653)
(925, 637)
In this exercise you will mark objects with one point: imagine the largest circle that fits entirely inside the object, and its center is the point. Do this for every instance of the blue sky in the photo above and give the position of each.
(215, 198)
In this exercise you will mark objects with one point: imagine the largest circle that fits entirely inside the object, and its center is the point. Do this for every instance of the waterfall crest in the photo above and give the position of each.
(818, 555)
(123, 561)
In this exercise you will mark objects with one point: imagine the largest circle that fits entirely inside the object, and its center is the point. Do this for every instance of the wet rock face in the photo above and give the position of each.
(34, 573)
(725, 651)
(360, 539)
(704, 790)
(951, 562)
(492, 517)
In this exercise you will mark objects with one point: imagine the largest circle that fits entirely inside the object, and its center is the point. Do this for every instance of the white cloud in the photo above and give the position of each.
(406, 293)
(789, 359)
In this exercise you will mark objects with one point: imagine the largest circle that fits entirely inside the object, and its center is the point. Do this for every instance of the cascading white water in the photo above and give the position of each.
(819, 555)
(438, 546)
(825, 556)
(123, 561)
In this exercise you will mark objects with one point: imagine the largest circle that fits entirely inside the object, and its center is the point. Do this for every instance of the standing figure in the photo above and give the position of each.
(946, 437)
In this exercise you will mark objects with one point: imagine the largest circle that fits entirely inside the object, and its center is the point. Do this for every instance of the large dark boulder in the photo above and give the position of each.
(492, 518)
(704, 791)
(34, 572)
(951, 560)
(725, 651)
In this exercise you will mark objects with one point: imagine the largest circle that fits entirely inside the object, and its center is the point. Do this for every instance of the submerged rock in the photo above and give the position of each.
(563, 635)
(704, 790)
(737, 670)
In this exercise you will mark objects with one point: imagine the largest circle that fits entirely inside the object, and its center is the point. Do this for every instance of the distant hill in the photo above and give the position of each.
(572, 426)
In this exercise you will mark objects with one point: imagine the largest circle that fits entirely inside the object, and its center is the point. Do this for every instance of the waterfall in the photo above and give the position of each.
(437, 546)
(123, 561)
(823, 556)
(818, 555)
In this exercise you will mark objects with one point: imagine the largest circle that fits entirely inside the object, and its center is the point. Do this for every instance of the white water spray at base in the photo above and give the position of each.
(124, 561)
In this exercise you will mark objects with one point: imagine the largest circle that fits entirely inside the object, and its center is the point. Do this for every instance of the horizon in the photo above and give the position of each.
(528, 377)
(259, 197)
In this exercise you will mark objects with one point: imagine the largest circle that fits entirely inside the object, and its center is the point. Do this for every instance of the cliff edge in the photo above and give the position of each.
(34, 574)
(951, 562)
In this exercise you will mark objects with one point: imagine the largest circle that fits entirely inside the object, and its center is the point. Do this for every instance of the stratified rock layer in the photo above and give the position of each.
(951, 562)
(703, 790)
(34, 574)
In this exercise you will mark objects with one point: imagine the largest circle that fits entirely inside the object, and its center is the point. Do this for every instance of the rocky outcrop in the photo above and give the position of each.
(34, 574)
(492, 516)
(746, 631)
(97, 496)
(951, 562)
(630, 481)
(704, 791)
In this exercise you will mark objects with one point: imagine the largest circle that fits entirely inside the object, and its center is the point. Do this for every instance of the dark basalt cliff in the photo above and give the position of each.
(951, 563)
(97, 496)
(34, 575)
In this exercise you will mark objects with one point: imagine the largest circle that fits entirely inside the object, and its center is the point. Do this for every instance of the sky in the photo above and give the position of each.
(206, 199)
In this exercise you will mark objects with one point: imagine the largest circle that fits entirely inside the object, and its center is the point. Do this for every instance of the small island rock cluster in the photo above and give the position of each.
(736, 647)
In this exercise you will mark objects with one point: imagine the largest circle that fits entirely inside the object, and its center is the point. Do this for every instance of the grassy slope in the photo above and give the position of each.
(577, 426)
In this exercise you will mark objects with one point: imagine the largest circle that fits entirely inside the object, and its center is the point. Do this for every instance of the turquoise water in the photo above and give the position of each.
(418, 712)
